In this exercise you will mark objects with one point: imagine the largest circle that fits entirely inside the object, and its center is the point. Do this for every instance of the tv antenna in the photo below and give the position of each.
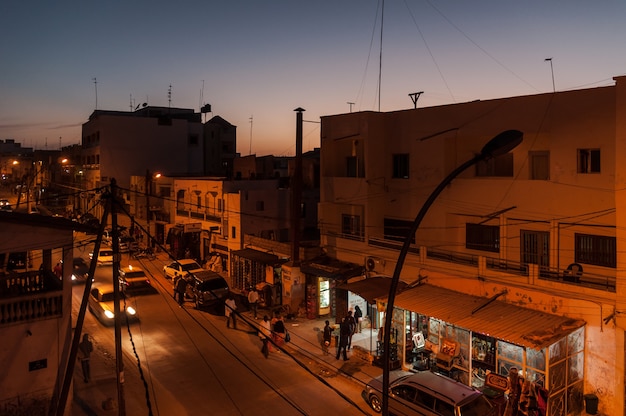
(415, 96)
(95, 83)
(251, 119)
(350, 104)
(169, 96)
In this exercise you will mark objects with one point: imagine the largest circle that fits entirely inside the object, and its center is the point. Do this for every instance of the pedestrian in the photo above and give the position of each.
(253, 299)
(181, 288)
(358, 317)
(265, 332)
(327, 336)
(230, 311)
(58, 270)
(344, 336)
(515, 391)
(84, 354)
(351, 326)
(278, 329)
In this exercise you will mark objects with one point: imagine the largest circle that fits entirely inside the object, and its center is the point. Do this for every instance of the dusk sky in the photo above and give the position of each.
(263, 59)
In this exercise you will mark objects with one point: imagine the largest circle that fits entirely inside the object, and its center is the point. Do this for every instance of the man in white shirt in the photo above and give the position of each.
(230, 311)
(253, 299)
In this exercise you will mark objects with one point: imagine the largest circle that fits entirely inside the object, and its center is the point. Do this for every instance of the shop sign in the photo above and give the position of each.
(193, 227)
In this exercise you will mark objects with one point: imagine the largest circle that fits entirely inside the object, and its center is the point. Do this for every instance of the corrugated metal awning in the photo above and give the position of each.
(371, 288)
(511, 323)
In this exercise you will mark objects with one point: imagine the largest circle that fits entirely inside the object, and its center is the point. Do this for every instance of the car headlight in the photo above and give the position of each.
(130, 310)
(74, 277)
(109, 314)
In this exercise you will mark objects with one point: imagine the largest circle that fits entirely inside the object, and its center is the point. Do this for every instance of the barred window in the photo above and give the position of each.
(482, 237)
(595, 249)
(351, 225)
(588, 160)
(397, 230)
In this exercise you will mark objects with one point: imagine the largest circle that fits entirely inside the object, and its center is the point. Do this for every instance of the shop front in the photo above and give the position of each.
(249, 267)
(470, 339)
(323, 274)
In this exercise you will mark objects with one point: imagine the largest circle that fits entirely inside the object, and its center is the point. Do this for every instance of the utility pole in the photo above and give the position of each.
(148, 191)
(296, 192)
(119, 358)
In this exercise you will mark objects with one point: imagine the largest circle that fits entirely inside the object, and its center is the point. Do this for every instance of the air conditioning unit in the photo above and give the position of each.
(372, 262)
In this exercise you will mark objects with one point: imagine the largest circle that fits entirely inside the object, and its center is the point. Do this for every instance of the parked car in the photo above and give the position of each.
(181, 267)
(206, 288)
(128, 243)
(80, 270)
(134, 280)
(5, 205)
(428, 394)
(105, 257)
(101, 304)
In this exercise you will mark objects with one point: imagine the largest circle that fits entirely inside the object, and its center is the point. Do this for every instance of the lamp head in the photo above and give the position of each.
(501, 144)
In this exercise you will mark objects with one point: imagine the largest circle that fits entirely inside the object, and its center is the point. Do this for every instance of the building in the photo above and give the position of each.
(35, 309)
(517, 262)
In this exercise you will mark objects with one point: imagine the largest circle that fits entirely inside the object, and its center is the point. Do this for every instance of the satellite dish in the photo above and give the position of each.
(370, 264)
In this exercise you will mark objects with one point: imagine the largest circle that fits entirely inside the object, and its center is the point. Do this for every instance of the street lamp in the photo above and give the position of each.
(499, 145)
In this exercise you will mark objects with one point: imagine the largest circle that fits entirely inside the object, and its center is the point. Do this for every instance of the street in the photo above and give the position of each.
(193, 364)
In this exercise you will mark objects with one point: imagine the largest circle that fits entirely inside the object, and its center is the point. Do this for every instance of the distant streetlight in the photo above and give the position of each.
(499, 145)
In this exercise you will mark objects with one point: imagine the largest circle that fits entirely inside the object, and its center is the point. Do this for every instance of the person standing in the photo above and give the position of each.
(327, 336)
(344, 336)
(181, 288)
(230, 308)
(352, 326)
(265, 332)
(58, 270)
(515, 391)
(253, 299)
(358, 317)
(84, 354)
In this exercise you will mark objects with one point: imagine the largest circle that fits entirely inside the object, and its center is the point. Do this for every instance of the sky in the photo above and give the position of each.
(257, 61)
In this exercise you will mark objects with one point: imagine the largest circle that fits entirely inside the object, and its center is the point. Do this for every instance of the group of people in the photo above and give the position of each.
(272, 331)
(350, 325)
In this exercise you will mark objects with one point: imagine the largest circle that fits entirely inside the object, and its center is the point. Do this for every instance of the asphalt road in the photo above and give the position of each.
(193, 364)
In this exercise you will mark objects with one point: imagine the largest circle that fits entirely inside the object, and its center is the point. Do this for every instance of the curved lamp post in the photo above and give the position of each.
(499, 145)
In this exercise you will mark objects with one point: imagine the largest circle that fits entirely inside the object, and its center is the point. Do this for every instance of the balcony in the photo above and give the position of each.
(30, 295)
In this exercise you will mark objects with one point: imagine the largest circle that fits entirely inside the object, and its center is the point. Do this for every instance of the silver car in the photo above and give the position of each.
(427, 394)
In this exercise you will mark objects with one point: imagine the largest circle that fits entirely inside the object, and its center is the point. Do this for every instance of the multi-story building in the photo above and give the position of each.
(517, 261)
(35, 310)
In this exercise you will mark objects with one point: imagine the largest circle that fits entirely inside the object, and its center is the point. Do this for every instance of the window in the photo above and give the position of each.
(352, 166)
(400, 166)
(595, 249)
(539, 165)
(233, 232)
(397, 230)
(588, 160)
(482, 237)
(497, 166)
(351, 226)
(260, 206)
(535, 247)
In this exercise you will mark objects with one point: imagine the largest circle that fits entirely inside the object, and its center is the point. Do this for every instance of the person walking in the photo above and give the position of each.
(344, 336)
(265, 332)
(279, 330)
(327, 336)
(352, 327)
(181, 288)
(253, 299)
(230, 311)
(358, 317)
(84, 354)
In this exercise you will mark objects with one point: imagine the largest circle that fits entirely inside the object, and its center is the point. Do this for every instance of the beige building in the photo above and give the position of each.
(518, 262)
(35, 310)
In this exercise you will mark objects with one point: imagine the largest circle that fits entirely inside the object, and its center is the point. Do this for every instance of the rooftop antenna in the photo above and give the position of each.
(551, 70)
(251, 119)
(350, 104)
(380, 57)
(60, 141)
(169, 96)
(95, 83)
(415, 96)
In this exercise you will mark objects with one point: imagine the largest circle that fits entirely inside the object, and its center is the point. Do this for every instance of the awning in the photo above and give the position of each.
(258, 256)
(514, 324)
(331, 268)
(371, 288)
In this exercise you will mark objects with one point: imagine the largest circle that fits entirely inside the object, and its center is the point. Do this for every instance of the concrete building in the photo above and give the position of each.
(517, 262)
(35, 310)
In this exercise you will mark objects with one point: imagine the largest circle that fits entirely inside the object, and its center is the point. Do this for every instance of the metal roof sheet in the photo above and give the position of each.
(511, 323)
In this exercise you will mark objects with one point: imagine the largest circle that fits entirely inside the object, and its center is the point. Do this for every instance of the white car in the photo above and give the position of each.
(181, 267)
(105, 257)
(101, 304)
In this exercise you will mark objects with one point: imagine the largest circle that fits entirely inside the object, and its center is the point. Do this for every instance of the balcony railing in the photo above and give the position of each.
(30, 295)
